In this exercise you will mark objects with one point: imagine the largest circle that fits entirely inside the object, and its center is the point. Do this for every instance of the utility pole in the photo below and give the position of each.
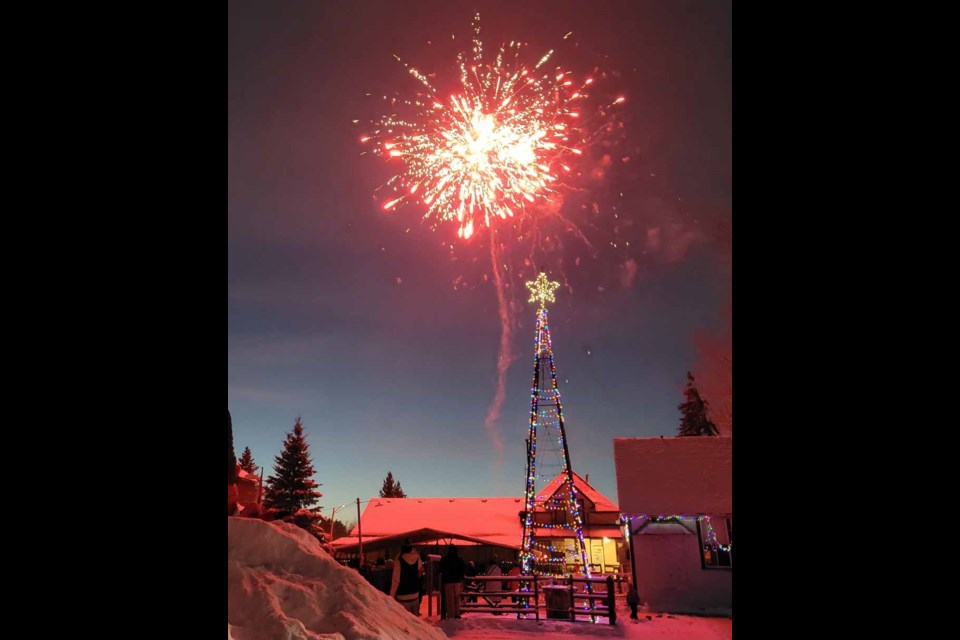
(260, 489)
(360, 535)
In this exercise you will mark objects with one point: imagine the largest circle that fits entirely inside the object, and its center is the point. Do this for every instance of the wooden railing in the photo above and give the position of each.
(559, 598)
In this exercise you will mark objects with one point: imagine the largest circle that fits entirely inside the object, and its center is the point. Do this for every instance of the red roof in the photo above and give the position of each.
(600, 502)
(494, 521)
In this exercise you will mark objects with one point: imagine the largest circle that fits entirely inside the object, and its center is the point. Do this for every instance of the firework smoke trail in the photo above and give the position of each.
(505, 357)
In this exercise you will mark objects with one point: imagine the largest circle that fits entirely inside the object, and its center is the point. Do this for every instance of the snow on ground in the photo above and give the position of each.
(667, 627)
(281, 585)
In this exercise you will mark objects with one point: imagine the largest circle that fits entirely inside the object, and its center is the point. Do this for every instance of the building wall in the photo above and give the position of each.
(670, 578)
(248, 490)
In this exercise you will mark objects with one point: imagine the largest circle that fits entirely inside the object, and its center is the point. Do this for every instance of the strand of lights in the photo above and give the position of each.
(526, 548)
(710, 535)
(542, 291)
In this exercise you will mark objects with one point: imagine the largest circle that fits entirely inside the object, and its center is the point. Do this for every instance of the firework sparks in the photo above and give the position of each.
(496, 148)
(490, 149)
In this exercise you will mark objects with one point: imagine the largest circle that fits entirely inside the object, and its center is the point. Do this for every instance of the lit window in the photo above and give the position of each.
(715, 535)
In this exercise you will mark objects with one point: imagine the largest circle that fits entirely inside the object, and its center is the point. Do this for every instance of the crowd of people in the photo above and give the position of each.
(405, 579)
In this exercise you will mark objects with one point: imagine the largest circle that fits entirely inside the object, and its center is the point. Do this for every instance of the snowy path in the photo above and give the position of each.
(664, 628)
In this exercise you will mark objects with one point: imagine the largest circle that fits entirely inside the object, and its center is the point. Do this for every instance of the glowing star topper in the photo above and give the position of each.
(541, 290)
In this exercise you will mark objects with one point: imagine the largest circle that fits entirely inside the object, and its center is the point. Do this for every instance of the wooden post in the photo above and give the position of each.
(536, 598)
(611, 602)
(260, 489)
(443, 600)
(588, 588)
(360, 535)
(432, 560)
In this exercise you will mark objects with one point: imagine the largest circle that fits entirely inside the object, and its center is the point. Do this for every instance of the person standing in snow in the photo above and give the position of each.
(471, 585)
(633, 599)
(423, 579)
(451, 570)
(405, 586)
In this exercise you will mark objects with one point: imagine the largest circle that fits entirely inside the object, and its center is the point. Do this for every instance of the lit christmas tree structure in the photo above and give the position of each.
(564, 510)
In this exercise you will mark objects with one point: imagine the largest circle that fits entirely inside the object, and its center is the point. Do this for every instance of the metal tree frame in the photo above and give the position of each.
(542, 292)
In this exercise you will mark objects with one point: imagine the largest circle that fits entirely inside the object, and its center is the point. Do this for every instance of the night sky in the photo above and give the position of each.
(382, 337)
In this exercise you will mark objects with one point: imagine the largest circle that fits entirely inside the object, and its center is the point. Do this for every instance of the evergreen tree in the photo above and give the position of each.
(390, 488)
(293, 487)
(339, 530)
(694, 421)
(246, 461)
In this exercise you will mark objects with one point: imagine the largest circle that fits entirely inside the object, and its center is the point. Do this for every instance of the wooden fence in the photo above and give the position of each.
(558, 598)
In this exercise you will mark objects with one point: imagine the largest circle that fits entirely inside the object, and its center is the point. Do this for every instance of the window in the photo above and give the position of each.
(715, 535)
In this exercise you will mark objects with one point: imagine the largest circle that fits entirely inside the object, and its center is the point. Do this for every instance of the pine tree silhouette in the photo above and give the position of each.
(694, 421)
(246, 461)
(293, 487)
(391, 489)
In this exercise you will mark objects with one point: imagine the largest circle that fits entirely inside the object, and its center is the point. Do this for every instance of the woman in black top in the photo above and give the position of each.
(405, 587)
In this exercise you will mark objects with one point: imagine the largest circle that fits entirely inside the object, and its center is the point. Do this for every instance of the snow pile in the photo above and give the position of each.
(283, 586)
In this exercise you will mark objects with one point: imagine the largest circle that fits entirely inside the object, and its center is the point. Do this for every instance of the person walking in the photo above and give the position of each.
(633, 599)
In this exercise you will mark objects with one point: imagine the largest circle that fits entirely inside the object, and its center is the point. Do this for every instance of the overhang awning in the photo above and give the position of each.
(417, 536)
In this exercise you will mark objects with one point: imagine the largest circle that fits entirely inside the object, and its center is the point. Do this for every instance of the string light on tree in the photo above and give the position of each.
(542, 291)
(546, 411)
